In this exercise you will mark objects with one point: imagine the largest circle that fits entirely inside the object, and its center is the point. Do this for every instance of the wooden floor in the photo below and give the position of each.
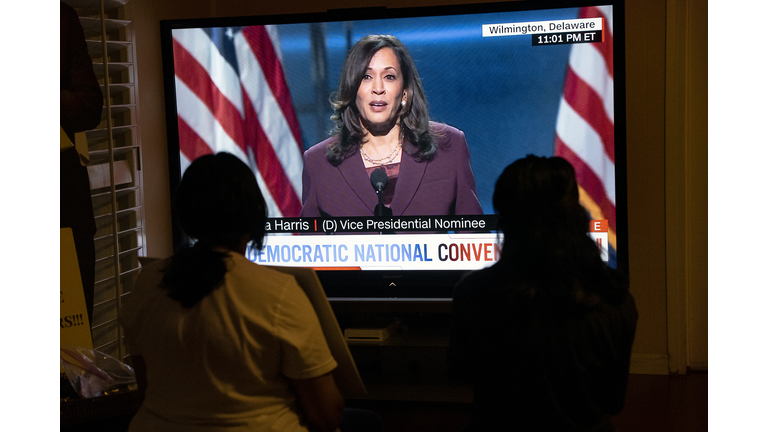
(654, 403)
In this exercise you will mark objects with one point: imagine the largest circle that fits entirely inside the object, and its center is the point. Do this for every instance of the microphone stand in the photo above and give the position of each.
(379, 182)
(381, 210)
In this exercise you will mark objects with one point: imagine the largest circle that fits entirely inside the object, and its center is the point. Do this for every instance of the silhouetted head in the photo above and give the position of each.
(218, 202)
(547, 246)
(538, 197)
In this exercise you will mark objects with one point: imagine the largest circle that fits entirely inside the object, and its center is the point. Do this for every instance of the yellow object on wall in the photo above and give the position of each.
(81, 145)
(75, 329)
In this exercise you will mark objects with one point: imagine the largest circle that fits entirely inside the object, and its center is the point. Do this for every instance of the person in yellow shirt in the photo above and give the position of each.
(220, 343)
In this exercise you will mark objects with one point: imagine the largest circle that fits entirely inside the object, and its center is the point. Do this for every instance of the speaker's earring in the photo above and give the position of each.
(402, 103)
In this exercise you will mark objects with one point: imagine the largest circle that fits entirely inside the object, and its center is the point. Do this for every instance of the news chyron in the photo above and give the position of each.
(559, 32)
(399, 243)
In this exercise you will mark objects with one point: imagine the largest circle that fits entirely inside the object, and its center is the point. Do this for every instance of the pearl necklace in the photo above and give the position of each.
(386, 159)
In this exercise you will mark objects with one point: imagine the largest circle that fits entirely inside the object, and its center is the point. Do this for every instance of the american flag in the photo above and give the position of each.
(585, 122)
(231, 95)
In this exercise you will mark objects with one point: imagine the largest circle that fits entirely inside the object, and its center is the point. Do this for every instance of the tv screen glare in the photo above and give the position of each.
(518, 78)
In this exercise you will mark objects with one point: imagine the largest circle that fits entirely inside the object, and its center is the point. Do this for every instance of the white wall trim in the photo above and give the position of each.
(675, 180)
(699, 365)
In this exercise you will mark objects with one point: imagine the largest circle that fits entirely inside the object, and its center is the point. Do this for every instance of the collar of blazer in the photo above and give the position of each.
(411, 175)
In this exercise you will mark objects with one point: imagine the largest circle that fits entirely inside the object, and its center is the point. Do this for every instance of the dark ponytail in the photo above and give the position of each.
(193, 273)
(218, 203)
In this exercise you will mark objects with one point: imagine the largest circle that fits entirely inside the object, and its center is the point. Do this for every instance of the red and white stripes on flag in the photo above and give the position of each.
(584, 130)
(231, 96)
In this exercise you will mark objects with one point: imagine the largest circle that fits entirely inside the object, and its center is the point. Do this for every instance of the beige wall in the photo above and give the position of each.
(648, 150)
(645, 177)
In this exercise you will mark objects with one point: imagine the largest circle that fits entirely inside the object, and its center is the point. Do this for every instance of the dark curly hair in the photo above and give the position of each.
(546, 240)
(217, 203)
(414, 116)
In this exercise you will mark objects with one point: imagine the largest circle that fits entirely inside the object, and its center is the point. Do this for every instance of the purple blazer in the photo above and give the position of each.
(444, 185)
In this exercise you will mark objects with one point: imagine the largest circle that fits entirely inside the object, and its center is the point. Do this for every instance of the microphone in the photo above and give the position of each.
(379, 180)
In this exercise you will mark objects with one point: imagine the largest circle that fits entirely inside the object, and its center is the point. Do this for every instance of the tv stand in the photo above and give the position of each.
(412, 363)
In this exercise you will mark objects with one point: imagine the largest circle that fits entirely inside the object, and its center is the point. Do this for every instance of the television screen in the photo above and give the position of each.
(383, 216)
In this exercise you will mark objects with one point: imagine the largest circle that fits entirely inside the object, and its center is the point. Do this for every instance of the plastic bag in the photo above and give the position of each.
(93, 373)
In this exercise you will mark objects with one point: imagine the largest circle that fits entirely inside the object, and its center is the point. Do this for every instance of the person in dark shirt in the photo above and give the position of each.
(544, 336)
(80, 96)
(81, 103)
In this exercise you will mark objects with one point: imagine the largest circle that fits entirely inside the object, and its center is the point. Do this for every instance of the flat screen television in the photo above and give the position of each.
(517, 78)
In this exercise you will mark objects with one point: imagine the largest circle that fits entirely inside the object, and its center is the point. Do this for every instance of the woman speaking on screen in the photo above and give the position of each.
(382, 123)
